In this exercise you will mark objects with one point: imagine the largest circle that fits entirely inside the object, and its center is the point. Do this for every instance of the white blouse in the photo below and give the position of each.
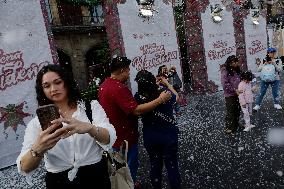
(74, 151)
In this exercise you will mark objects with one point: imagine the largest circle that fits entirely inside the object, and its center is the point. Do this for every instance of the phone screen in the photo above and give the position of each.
(46, 114)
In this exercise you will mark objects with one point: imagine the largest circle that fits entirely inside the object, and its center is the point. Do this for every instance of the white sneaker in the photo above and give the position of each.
(257, 107)
(247, 128)
(277, 106)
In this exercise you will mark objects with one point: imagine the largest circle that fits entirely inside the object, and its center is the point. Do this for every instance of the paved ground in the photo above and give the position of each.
(209, 158)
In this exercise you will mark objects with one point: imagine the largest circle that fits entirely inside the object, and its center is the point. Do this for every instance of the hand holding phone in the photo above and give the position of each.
(46, 114)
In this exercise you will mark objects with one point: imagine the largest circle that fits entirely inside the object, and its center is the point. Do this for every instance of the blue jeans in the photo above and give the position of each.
(176, 107)
(275, 85)
(163, 149)
(132, 160)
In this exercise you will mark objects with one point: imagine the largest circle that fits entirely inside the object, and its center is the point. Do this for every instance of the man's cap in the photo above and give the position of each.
(119, 62)
(271, 50)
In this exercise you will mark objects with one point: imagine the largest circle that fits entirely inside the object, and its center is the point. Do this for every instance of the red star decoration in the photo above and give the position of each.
(13, 116)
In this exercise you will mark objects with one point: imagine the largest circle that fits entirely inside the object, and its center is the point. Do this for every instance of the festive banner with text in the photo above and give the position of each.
(219, 39)
(149, 42)
(256, 41)
(24, 48)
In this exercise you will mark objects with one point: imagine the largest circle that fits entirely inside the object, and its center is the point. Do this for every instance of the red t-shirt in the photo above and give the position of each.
(119, 103)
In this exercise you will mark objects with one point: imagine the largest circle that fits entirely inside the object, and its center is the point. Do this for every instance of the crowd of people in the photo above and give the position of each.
(73, 153)
(239, 88)
(123, 112)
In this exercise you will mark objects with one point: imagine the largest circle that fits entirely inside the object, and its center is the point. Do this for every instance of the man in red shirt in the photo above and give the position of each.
(122, 109)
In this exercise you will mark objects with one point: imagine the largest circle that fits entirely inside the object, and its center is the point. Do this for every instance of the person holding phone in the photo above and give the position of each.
(72, 153)
(265, 69)
(163, 71)
(122, 109)
(160, 131)
(46, 114)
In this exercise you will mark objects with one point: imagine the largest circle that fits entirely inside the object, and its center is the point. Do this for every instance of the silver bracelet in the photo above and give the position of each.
(97, 131)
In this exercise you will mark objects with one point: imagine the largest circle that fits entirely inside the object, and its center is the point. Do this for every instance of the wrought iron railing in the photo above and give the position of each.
(78, 21)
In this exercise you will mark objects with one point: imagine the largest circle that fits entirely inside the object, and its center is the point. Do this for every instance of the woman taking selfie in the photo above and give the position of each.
(71, 154)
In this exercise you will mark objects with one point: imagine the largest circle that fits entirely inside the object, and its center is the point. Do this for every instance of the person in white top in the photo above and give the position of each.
(73, 153)
(275, 85)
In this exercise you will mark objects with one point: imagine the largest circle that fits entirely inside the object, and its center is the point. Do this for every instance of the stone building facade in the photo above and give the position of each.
(278, 8)
(79, 36)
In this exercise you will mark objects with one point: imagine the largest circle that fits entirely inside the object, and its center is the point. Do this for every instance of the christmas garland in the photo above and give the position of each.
(91, 92)
(82, 2)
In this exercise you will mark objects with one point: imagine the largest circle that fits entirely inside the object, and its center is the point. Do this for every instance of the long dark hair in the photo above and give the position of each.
(229, 68)
(69, 83)
(147, 86)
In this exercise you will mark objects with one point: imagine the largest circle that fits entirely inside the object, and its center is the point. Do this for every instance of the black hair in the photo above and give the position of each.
(282, 58)
(229, 67)
(160, 71)
(119, 63)
(73, 92)
(247, 76)
(267, 58)
(147, 86)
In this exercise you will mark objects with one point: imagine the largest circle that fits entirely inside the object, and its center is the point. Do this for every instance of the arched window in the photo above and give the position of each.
(96, 14)
(98, 59)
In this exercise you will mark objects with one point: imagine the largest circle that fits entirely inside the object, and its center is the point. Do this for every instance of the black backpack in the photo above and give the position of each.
(88, 110)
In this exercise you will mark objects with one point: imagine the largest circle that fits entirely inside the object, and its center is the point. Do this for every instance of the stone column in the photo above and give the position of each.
(195, 41)
(86, 15)
(78, 61)
(113, 27)
(240, 35)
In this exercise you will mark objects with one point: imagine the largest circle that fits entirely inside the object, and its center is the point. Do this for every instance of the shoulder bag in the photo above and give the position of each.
(119, 173)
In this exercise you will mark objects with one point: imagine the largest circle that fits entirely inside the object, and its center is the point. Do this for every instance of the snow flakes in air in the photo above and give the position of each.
(241, 148)
(279, 173)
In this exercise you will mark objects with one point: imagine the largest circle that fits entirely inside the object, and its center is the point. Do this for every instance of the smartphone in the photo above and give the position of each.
(46, 114)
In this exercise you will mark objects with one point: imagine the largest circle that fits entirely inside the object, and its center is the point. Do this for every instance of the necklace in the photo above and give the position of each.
(68, 112)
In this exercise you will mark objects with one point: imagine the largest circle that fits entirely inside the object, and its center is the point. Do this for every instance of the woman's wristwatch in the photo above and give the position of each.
(34, 153)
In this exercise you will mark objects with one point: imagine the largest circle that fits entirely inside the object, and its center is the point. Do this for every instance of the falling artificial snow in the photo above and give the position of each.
(276, 136)
(279, 173)
(215, 160)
